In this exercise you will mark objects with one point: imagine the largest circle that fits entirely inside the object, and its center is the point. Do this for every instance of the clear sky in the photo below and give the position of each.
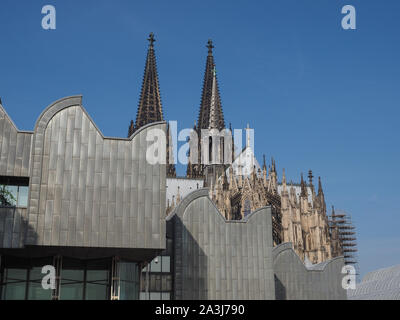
(318, 97)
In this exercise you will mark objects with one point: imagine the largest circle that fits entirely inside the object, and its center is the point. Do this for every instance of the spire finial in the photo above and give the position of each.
(320, 191)
(310, 177)
(151, 39)
(210, 46)
(131, 129)
(303, 187)
(264, 163)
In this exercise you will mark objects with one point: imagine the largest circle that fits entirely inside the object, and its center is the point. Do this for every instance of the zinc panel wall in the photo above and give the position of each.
(296, 282)
(15, 148)
(91, 191)
(219, 259)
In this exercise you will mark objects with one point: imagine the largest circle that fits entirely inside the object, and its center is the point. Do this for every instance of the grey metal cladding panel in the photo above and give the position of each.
(213, 256)
(13, 224)
(300, 283)
(14, 147)
(89, 197)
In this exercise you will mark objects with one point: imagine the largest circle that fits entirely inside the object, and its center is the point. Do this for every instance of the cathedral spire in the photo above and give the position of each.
(264, 163)
(284, 181)
(320, 191)
(213, 119)
(150, 107)
(273, 165)
(310, 178)
(304, 192)
(321, 196)
(210, 114)
(131, 129)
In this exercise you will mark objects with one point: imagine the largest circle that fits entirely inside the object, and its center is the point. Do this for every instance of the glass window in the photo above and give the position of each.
(96, 285)
(14, 286)
(166, 264)
(152, 282)
(128, 290)
(155, 296)
(71, 284)
(166, 282)
(156, 265)
(165, 296)
(36, 291)
(158, 283)
(23, 196)
(8, 195)
(143, 296)
(14, 191)
(129, 281)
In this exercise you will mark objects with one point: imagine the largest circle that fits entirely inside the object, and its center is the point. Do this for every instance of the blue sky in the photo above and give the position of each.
(317, 96)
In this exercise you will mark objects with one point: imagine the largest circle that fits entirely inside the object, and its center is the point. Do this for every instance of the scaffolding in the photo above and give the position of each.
(346, 232)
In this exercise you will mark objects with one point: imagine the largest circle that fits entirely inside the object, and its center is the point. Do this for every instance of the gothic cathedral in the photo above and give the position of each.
(241, 186)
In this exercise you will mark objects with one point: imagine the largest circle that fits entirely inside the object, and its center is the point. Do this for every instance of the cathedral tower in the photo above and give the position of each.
(210, 118)
(150, 107)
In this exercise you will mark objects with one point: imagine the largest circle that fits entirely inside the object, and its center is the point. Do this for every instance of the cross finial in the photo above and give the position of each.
(151, 39)
(210, 46)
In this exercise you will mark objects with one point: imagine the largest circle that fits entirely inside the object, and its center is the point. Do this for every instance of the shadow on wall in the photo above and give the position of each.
(220, 259)
(191, 266)
(14, 228)
(280, 290)
(295, 281)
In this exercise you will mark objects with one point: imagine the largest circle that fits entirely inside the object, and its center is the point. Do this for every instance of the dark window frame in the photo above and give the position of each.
(12, 181)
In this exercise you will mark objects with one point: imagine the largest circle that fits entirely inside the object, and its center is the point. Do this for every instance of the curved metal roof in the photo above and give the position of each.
(382, 284)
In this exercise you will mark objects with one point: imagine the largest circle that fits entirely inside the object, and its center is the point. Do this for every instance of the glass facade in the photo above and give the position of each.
(129, 281)
(157, 283)
(21, 279)
(85, 279)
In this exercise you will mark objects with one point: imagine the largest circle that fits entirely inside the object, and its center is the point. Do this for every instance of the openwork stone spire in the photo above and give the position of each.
(303, 185)
(150, 107)
(210, 115)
